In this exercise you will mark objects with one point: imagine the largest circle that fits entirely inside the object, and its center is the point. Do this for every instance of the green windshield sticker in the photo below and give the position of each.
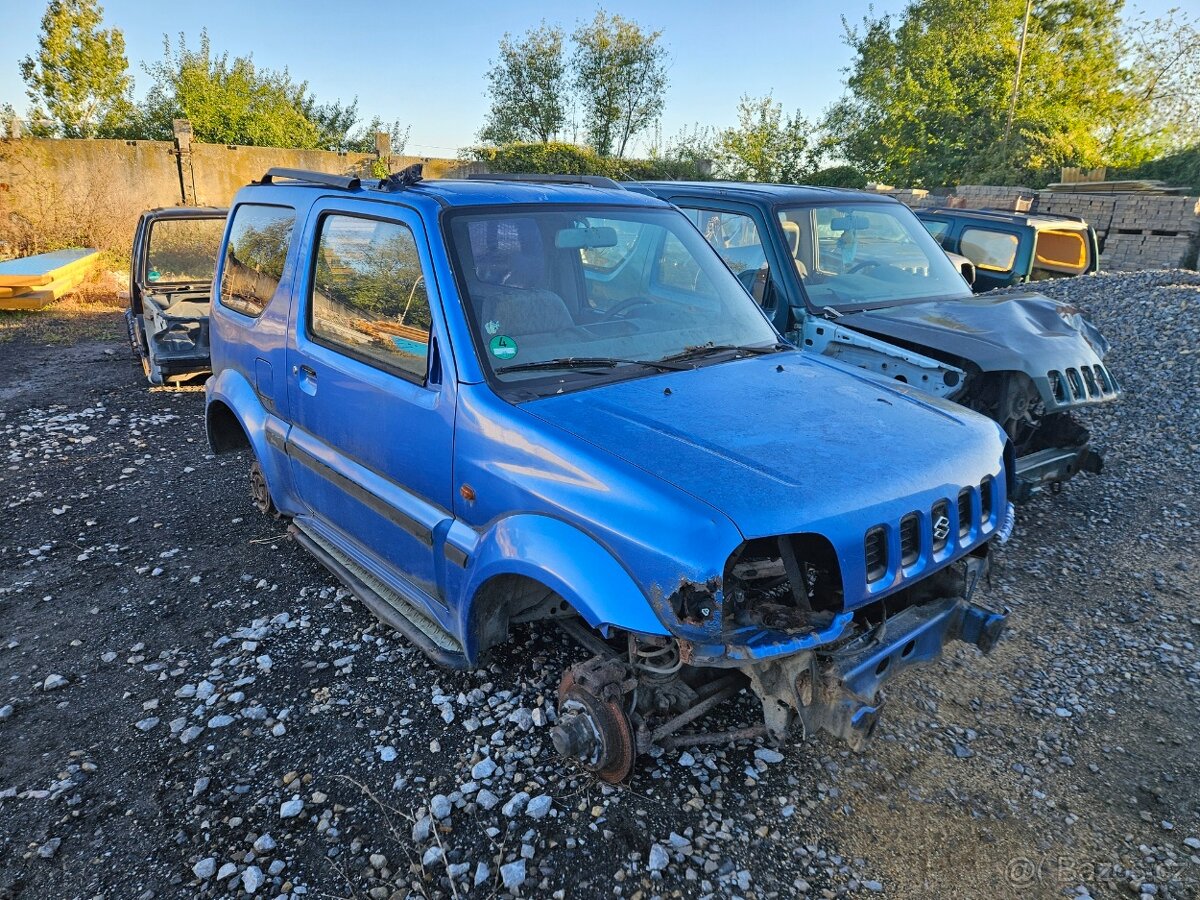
(153, 275)
(503, 347)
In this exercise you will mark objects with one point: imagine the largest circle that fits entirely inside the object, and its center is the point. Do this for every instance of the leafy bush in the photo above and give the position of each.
(838, 176)
(560, 158)
(1180, 169)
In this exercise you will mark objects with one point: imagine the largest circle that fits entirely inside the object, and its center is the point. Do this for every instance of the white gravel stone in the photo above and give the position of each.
(205, 868)
(54, 682)
(291, 808)
(513, 874)
(253, 879)
(264, 844)
(659, 858)
(483, 769)
(439, 806)
(539, 806)
(516, 803)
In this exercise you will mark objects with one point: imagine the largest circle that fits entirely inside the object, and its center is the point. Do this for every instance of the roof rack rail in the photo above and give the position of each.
(345, 182)
(599, 181)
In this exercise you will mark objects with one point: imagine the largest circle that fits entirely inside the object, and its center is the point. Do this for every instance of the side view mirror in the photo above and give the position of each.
(966, 268)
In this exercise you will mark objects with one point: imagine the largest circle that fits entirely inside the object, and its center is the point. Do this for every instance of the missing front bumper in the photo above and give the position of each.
(838, 691)
(1050, 468)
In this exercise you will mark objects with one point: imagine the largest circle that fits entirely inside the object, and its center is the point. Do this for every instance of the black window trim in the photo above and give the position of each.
(225, 246)
(431, 353)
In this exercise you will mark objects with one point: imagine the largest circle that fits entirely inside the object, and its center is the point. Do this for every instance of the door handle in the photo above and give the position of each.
(308, 379)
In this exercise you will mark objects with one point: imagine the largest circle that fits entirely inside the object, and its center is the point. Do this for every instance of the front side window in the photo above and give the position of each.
(183, 251)
(254, 256)
(937, 229)
(856, 255)
(736, 237)
(547, 317)
(368, 294)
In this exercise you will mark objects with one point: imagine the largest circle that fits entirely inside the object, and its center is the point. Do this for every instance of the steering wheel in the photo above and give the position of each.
(624, 307)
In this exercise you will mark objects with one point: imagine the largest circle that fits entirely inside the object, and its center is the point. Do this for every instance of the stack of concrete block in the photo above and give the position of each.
(990, 196)
(1152, 231)
(1095, 209)
(908, 196)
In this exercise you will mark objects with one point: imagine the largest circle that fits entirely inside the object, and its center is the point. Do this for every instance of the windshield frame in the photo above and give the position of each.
(572, 380)
(143, 261)
(784, 206)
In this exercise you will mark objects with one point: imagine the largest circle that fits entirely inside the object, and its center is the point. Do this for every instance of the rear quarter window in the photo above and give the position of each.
(259, 238)
(994, 251)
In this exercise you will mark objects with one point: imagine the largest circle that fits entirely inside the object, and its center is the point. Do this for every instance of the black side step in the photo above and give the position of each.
(386, 612)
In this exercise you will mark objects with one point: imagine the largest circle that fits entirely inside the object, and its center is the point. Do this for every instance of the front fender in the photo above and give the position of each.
(564, 559)
(267, 434)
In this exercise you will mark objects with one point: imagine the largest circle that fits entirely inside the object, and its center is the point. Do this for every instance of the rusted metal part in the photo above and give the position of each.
(730, 688)
(593, 727)
(595, 732)
(749, 733)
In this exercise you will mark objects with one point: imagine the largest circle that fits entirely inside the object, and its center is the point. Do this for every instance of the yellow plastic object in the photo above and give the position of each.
(39, 297)
(1061, 251)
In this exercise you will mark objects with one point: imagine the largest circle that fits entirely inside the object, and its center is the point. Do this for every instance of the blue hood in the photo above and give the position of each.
(818, 446)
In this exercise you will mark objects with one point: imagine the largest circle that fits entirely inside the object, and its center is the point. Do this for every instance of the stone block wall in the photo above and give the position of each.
(1136, 230)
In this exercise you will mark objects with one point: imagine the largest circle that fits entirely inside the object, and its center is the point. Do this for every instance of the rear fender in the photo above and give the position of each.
(567, 561)
(265, 433)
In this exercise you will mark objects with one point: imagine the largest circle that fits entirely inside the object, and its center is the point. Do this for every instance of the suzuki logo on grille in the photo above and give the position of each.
(941, 528)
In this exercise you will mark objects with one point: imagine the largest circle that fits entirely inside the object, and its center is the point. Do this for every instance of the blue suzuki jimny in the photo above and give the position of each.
(488, 402)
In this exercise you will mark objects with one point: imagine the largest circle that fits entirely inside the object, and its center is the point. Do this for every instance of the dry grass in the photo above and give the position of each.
(91, 313)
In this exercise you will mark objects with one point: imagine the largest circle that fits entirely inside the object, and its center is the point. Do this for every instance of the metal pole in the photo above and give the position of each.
(1012, 107)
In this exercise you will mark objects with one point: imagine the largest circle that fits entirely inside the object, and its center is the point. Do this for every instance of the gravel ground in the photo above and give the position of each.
(191, 707)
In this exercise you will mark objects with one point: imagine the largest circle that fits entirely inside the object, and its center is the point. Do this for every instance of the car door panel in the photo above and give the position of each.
(371, 447)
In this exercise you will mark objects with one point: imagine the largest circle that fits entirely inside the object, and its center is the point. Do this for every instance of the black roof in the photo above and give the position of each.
(185, 212)
(1034, 220)
(774, 193)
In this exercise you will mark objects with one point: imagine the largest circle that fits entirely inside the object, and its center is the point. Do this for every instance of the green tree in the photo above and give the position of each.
(620, 76)
(526, 85)
(1165, 54)
(78, 82)
(929, 92)
(231, 101)
(765, 145)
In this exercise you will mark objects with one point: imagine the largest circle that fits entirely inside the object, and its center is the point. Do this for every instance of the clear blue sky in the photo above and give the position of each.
(424, 63)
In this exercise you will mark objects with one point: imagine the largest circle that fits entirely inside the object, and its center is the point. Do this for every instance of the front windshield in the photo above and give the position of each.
(855, 255)
(183, 250)
(564, 298)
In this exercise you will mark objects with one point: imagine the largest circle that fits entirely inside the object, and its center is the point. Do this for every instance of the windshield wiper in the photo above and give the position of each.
(585, 362)
(703, 350)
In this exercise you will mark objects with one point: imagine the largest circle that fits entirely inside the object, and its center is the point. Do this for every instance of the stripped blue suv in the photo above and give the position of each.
(489, 402)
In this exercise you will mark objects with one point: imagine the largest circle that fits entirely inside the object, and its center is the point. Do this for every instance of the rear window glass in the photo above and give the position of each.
(1061, 250)
(994, 251)
(183, 250)
(258, 245)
